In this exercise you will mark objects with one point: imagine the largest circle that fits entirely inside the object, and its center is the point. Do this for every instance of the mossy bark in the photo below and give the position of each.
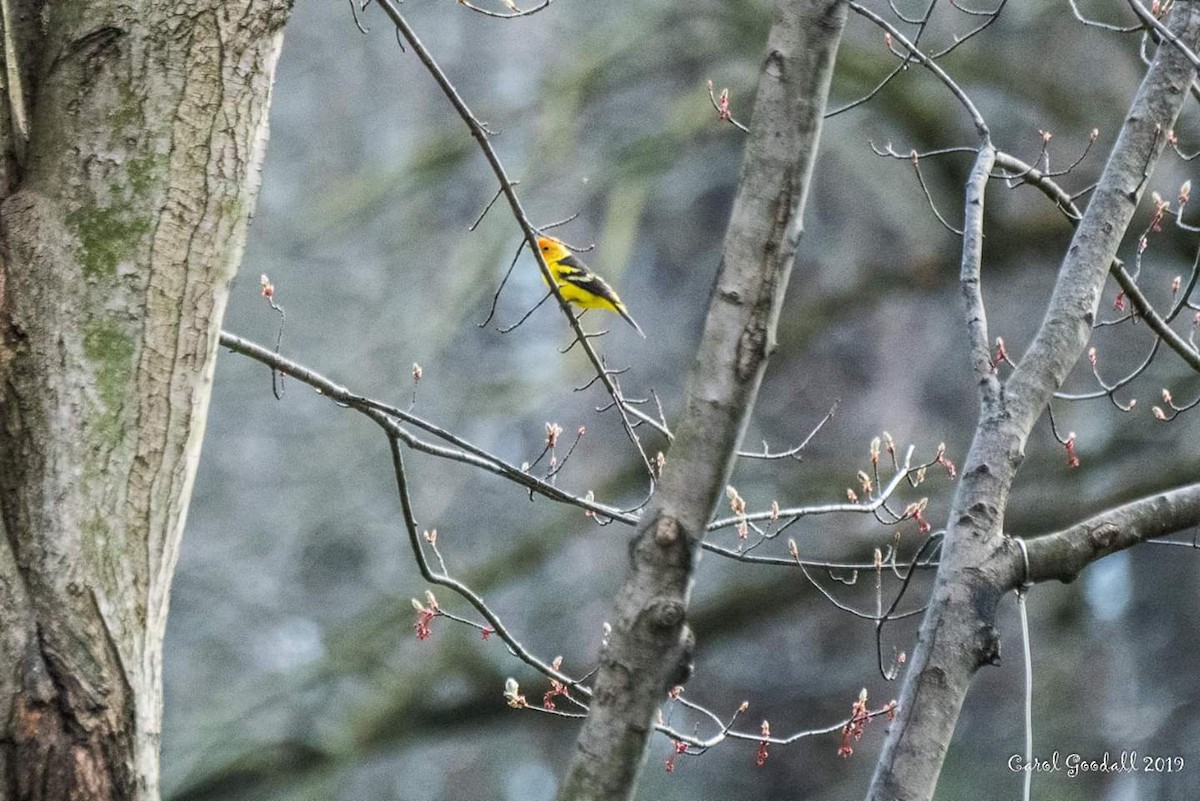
(132, 139)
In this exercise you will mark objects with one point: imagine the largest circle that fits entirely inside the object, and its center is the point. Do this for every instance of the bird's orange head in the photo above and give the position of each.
(552, 249)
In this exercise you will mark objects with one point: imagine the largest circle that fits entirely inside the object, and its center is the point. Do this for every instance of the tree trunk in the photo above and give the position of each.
(979, 563)
(133, 135)
(649, 647)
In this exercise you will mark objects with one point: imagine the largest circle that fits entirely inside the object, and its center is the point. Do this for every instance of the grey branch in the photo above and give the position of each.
(461, 450)
(971, 269)
(1062, 555)
(1068, 321)
(1048, 186)
(648, 639)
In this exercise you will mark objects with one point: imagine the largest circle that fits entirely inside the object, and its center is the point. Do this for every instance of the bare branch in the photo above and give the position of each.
(916, 163)
(931, 65)
(462, 450)
(441, 579)
(969, 274)
(992, 16)
(481, 135)
(1063, 555)
(794, 452)
(729, 733)
(868, 507)
(1136, 297)
(515, 13)
(1106, 26)
(488, 207)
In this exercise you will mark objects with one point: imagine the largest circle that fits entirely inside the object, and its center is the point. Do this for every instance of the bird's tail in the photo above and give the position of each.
(621, 310)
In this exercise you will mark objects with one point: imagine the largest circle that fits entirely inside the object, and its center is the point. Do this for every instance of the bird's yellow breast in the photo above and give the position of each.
(578, 295)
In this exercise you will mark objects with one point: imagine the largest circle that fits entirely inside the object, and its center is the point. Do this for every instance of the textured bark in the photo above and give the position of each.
(1063, 555)
(649, 648)
(126, 195)
(979, 563)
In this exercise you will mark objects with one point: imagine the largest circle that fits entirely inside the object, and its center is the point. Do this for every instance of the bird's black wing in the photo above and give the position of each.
(575, 272)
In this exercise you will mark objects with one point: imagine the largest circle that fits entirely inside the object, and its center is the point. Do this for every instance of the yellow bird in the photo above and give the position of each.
(578, 284)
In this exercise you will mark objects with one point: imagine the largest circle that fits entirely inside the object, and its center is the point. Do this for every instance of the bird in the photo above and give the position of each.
(578, 284)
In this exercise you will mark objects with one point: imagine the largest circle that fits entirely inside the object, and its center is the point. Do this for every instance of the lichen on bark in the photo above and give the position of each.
(119, 229)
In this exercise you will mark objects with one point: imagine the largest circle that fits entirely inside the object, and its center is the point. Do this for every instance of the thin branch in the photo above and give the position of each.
(1175, 408)
(992, 16)
(441, 579)
(869, 507)
(899, 68)
(977, 118)
(1079, 159)
(515, 13)
(916, 163)
(1108, 390)
(791, 453)
(488, 207)
(922, 20)
(888, 151)
(933, 544)
(496, 295)
(1137, 298)
(970, 273)
(480, 133)
(357, 22)
(510, 328)
(787, 561)
(728, 733)
(1105, 26)
(878, 617)
(463, 451)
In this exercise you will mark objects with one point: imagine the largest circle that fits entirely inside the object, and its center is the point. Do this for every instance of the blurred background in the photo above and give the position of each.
(292, 668)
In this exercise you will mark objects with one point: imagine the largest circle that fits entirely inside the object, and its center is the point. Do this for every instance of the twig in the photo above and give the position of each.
(462, 451)
(480, 133)
(502, 15)
(978, 29)
(1105, 26)
(977, 118)
(916, 163)
(791, 453)
(899, 68)
(722, 108)
(1117, 269)
(414, 538)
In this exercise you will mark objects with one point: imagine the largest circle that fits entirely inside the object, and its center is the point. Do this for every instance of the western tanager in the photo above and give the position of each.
(578, 284)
